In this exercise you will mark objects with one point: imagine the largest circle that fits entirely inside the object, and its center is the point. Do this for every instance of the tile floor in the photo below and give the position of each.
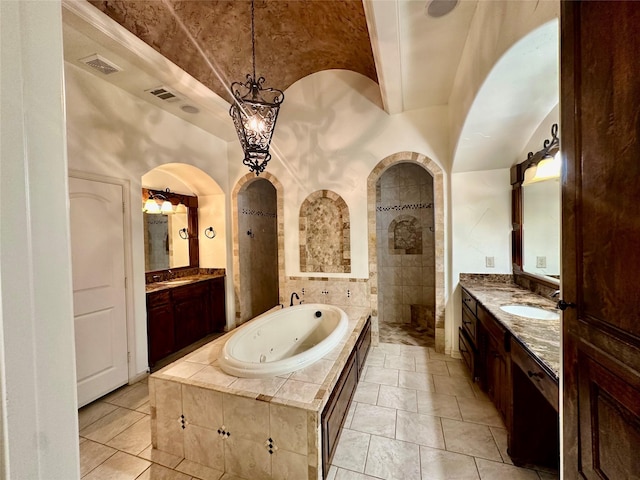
(415, 415)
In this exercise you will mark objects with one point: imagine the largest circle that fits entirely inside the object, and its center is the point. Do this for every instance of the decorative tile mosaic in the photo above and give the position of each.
(325, 235)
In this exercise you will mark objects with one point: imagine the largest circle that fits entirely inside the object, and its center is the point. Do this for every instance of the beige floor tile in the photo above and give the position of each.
(458, 369)
(421, 429)
(500, 471)
(375, 420)
(331, 474)
(375, 361)
(198, 471)
(390, 348)
(350, 413)
(144, 408)
(416, 380)
(367, 393)
(110, 425)
(158, 472)
(470, 439)
(502, 441)
(342, 474)
(382, 376)
(400, 363)
(121, 466)
(230, 476)
(392, 459)
(460, 387)
(117, 392)
(548, 475)
(351, 451)
(479, 411)
(439, 405)
(398, 398)
(134, 439)
(158, 456)
(92, 412)
(443, 465)
(434, 367)
(133, 397)
(93, 454)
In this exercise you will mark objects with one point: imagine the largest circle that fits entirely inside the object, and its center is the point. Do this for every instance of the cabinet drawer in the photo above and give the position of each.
(469, 325)
(539, 377)
(468, 301)
(155, 299)
(467, 351)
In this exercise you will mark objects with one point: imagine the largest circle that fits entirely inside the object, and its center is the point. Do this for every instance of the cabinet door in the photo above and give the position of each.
(160, 333)
(498, 382)
(191, 312)
(218, 318)
(600, 108)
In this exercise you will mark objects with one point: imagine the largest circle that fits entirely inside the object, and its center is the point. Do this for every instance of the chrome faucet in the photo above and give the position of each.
(555, 294)
(294, 294)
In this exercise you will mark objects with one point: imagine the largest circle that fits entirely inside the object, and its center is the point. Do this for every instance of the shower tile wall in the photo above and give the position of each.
(405, 244)
(258, 250)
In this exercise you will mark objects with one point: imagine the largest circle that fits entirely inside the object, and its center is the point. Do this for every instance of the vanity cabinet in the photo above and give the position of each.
(468, 335)
(179, 316)
(335, 411)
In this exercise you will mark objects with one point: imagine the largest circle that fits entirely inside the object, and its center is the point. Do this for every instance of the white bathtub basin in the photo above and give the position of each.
(530, 312)
(283, 341)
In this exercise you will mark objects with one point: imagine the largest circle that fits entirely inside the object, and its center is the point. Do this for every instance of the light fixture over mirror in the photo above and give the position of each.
(158, 203)
(254, 111)
(544, 164)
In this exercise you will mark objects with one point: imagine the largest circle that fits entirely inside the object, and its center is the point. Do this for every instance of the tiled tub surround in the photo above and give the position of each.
(251, 428)
(540, 337)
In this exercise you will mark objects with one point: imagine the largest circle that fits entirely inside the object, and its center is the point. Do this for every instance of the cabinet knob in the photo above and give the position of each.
(562, 305)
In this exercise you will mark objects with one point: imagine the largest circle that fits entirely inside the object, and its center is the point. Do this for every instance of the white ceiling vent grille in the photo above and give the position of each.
(164, 93)
(101, 64)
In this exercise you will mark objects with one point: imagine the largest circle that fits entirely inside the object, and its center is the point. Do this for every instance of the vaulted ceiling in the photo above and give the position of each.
(211, 40)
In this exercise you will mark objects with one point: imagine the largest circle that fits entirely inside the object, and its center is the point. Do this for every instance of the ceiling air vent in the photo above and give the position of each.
(163, 93)
(101, 64)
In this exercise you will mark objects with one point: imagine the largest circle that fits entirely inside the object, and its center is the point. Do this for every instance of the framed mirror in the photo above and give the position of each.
(536, 215)
(170, 239)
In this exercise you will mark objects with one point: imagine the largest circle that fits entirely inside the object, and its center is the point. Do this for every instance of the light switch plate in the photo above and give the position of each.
(490, 262)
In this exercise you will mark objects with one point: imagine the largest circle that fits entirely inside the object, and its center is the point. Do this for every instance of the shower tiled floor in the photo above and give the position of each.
(405, 334)
(415, 416)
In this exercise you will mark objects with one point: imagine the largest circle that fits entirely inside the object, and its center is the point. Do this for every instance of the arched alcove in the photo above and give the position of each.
(269, 215)
(437, 230)
(325, 234)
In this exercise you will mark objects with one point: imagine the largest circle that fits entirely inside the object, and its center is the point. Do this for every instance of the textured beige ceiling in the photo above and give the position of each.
(211, 40)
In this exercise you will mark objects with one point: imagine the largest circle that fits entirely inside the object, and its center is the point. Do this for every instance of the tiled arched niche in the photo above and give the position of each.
(242, 313)
(438, 186)
(325, 236)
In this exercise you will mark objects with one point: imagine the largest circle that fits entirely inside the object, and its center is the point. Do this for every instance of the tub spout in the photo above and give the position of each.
(294, 294)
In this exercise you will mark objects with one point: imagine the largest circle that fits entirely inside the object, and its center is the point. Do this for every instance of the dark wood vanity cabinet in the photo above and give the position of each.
(179, 316)
(335, 411)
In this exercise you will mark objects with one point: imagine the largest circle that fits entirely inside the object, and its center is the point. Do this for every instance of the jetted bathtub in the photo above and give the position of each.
(283, 341)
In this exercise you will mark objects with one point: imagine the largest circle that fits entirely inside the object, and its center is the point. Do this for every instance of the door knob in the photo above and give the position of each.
(562, 305)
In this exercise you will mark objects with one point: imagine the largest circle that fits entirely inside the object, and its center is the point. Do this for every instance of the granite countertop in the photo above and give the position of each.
(540, 337)
(179, 281)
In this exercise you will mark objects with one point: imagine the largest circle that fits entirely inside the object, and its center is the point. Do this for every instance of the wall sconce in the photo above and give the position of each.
(544, 166)
(153, 206)
(183, 233)
(210, 232)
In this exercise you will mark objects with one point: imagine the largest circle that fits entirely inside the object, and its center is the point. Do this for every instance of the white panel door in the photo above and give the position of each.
(97, 251)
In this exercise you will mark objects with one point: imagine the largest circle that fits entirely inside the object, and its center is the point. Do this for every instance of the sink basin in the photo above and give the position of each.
(177, 281)
(530, 312)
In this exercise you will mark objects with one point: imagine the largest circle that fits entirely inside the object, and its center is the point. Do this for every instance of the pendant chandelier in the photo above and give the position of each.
(254, 111)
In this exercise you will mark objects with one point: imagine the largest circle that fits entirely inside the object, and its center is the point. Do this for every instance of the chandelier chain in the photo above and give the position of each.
(253, 40)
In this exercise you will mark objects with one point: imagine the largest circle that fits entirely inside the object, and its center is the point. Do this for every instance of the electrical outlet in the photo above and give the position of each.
(541, 262)
(490, 262)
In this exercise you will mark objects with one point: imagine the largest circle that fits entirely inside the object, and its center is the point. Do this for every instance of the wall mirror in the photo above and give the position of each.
(170, 239)
(536, 213)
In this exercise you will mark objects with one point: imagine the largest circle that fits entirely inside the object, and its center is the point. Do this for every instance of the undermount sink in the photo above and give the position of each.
(530, 312)
(177, 281)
